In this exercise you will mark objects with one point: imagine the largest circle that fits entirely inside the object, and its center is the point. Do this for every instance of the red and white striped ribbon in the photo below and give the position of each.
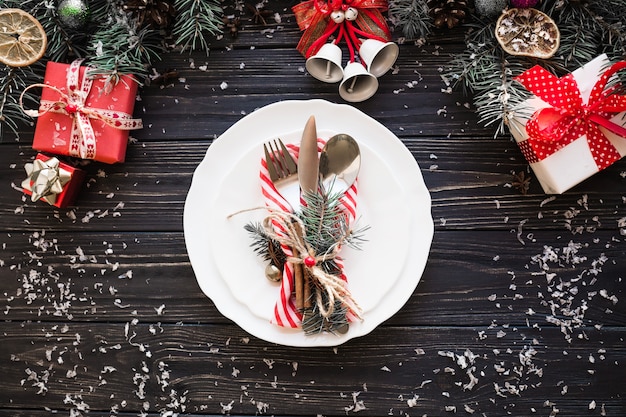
(285, 311)
(71, 102)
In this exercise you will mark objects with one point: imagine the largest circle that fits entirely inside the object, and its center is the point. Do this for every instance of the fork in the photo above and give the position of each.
(283, 171)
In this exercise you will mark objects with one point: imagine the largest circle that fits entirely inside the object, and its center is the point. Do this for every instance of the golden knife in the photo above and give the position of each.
(308, 160)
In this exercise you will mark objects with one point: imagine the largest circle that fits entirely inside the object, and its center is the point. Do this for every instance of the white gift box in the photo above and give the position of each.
(573, 163)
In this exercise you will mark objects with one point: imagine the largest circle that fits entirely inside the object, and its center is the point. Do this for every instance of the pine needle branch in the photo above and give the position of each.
(264, 246)
(119, 48)
(412, 17)
(326, 224)
(12, 82)
(486, 72)
(195, 20)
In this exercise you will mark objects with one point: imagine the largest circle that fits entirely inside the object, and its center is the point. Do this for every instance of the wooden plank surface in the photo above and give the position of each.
(520, 310)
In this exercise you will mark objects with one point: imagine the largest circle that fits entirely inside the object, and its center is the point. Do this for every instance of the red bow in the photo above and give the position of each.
(313, 17)
(552, 128)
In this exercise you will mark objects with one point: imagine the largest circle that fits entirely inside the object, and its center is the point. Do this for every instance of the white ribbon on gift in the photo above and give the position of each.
(72, 104)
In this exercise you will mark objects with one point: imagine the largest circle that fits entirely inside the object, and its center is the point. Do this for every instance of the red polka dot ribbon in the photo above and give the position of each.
(569, 118)
(72, 103)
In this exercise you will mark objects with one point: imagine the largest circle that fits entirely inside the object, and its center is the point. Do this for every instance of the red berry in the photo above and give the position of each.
(71, 108)
(309, 261)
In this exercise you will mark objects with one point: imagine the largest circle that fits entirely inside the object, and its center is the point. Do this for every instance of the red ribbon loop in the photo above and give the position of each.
(550, 129)
(313, 18)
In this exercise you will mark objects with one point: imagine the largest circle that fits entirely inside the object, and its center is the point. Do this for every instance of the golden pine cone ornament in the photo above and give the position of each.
(447, 13)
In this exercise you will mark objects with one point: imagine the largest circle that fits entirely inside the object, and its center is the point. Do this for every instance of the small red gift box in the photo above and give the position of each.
(79, 117)
(52, 181)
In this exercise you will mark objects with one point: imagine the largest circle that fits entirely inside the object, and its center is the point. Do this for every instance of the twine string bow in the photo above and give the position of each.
(333, 286)
(73, 104)
(552, 128)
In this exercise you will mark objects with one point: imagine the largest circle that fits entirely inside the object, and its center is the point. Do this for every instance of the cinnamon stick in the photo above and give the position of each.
(299, 271)
(299, 286)
(307, 288)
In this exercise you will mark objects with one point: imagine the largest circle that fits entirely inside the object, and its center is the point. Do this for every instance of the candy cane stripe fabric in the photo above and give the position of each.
(285, 312)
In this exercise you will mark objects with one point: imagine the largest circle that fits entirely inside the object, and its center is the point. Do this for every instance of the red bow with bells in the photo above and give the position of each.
(82, 137)
(569, 118)
(319, 20)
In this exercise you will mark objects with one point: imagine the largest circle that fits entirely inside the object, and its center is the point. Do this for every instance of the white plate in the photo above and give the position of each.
(218, 186)
(388, 219)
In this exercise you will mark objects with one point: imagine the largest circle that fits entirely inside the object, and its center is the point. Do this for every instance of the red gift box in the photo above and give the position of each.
(79, 117)
(52, 181)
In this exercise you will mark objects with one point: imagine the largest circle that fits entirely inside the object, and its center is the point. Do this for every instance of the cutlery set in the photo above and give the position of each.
(328, 175)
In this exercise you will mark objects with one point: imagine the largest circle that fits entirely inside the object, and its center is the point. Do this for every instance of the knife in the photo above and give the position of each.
(308, 176)
(308, 161)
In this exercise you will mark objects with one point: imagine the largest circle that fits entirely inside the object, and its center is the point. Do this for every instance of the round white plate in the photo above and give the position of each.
(388, 219)
(393, 200)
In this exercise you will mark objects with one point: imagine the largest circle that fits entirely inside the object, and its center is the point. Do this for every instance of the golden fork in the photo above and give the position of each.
(283, 172)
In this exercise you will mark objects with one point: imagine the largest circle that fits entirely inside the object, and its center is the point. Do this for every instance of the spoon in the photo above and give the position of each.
(340, 162)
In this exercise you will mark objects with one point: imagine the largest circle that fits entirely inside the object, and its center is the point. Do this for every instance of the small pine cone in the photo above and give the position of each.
(157, 13)
(447, 13)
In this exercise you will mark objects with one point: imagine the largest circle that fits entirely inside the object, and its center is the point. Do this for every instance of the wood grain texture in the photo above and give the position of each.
(469, 180)
(520, 310)
(406, 369)
(493, 278)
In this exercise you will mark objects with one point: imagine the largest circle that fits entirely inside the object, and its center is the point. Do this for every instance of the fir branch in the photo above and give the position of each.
(12, 82)
(579, 32)
(412, 16)
(118, 48)
(312, 320)
(326, 225)
(195, 19)
(486, 72)
(314, 323)
(264, 246)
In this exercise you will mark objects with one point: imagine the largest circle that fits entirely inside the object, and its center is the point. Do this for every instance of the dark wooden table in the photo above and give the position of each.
(521, 309)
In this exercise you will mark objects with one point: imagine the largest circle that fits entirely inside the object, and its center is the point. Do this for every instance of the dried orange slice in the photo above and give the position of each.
(527, 32)
(22, 38)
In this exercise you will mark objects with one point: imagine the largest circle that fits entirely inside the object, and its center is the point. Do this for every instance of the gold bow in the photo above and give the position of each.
(46, 179)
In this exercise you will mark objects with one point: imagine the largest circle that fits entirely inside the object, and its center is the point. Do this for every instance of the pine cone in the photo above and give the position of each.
(158, 13)
(448, 13)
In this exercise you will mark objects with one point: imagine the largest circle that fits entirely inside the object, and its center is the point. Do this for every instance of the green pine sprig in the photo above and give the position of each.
(326, 225)
(264, 246)
(485, 72)
(112, 42)
(412, 17)
(313, 322)
(196, 19)
(120, 48)
(12, 82)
